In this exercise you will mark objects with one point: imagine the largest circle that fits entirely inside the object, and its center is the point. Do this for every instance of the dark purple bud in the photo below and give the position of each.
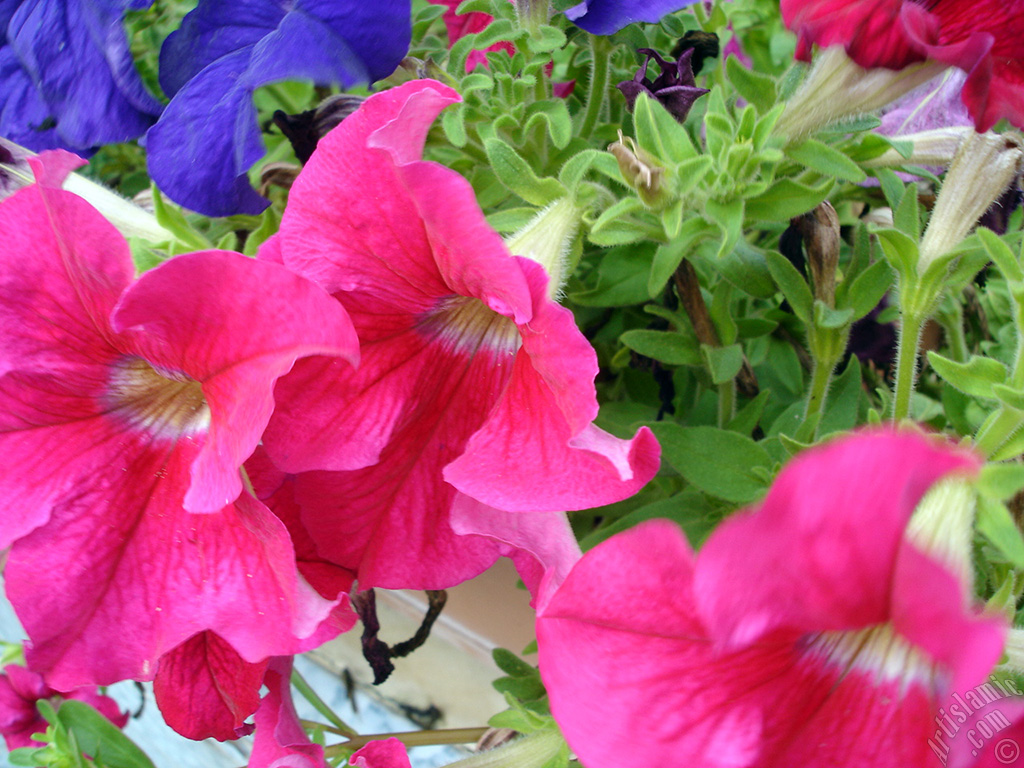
(305, 129)
(674, 87)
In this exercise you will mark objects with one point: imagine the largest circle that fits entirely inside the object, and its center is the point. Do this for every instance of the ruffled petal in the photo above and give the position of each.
(281, 741)
(870, 30)
(387, 753)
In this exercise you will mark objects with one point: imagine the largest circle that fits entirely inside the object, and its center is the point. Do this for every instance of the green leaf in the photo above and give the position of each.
(511, 219)
(622, 278)
(826, 160)
(170, 217)
(868, 288)
(658, 133)
(747, 419)
(844, 399)
(497, 31)
(670, 255)
(555, 115)
(756, 88)
(717, 462)
(270, 222)
(453, 123)
(1012, 398)
(831, 319)
(728, 216)
(668, 347)
(907, 216)
(1000, 482)
(976, 377)
(892, 186)
(1001, 254)
(546, 39)
(792, 285)
(723, 363)
(517, 175)
(900, 251)
(576, 167)
(996, 524)
(746, 268)
(785, 199)
(100, 738)
(690, 173)
(615, 226)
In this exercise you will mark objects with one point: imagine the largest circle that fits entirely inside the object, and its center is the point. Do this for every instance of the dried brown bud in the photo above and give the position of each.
(640, 170)
(820, 231)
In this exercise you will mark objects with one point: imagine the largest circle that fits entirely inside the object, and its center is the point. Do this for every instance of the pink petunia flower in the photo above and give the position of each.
(281, 741)
(984, 38)
(810, 631)
(473, 382)
(126, 410)
(21, 688)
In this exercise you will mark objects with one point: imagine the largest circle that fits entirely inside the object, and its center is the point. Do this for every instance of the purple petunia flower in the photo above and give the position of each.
(68, 75)
(208, 137)
(605, 17)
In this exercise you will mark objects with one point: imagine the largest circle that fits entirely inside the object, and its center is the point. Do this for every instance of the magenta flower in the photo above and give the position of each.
(126, 410)
(21, 688)
(460, 25)
(472, 381)
(387, 753)
(281, 741)
(808, 632)
(985, 38)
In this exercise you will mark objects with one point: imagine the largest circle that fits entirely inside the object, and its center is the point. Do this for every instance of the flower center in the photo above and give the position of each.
(464, 324)
(877, 651)
(161, 402)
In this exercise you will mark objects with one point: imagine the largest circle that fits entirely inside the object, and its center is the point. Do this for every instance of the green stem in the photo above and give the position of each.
(533, 751)
(320, 705)
(821, 379)
(906, 363)
(411, 739)
(951, 318)
(600, 51)
(726, 403)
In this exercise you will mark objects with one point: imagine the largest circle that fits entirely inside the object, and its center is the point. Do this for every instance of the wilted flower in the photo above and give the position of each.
(675, 87)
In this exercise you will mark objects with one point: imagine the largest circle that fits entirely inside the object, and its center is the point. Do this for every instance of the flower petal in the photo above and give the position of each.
(206, 690)
(825, 539)
(604, 17)
(281, 741)
(386, 753)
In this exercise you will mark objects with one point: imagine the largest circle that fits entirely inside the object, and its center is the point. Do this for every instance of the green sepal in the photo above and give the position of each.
(976, 377)
(831, 319)
(900, 250)
(906, 216)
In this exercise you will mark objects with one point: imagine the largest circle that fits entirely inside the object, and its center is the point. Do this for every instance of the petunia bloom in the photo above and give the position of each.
(474, 387)
(604, 17)
(208, 137)
(985, 39)
(68, 75)
(128, 407)
(20, 689)
(810, 631)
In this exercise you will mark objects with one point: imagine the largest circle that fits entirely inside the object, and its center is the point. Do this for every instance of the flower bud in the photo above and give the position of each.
(982, 169)
(546, 240)
(641, 171)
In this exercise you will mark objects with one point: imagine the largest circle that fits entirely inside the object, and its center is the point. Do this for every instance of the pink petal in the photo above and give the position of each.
(53, 166)
(870, 30)
(206, 690)
(629, 669)
(281, 741)
(542, 545)
(824, 541)
(387, 753)
(62, 270)
(538, 450)
(173, 573)
(240, 325)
